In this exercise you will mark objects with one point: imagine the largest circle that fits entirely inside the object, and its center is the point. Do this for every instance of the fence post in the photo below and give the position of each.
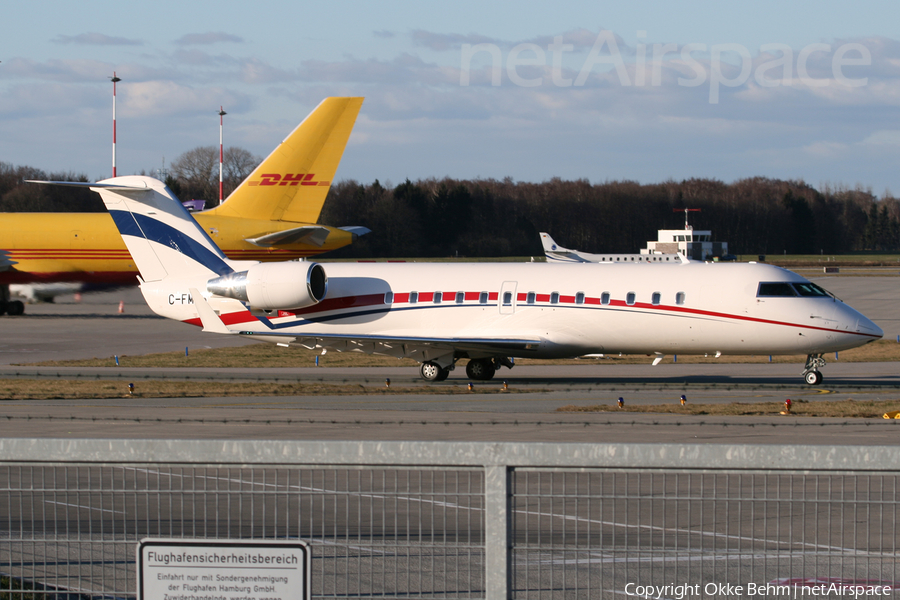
(496, 528)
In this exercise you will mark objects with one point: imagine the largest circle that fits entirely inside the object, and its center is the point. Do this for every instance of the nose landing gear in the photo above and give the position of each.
(811, 373)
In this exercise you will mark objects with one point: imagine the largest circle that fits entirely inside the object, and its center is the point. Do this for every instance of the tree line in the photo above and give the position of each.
(487, 217)
(492, 218)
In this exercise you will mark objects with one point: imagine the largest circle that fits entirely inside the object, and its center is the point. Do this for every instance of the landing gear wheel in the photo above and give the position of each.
(813, 378)
(433, 372)
(15, 308)
(481, 369)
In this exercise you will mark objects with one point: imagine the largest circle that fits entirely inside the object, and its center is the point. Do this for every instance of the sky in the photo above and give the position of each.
(643, 91)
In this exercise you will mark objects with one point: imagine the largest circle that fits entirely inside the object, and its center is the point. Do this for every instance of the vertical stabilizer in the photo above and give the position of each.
(292, 182)
(160, 234)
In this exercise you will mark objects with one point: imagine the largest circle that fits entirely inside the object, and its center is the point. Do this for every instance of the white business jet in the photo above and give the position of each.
(486, 313)
(556, 253)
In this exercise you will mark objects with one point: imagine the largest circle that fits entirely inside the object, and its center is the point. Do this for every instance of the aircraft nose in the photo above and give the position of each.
(864, 325)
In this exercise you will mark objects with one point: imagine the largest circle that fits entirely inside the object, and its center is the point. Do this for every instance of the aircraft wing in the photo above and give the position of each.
(418, 348)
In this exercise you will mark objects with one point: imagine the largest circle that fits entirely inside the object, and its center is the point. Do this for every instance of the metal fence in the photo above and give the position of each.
(461, 520)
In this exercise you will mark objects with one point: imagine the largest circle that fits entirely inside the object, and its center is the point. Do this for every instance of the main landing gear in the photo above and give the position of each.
(481, 369)
(811, 373)
(431, 371)
(477, 369)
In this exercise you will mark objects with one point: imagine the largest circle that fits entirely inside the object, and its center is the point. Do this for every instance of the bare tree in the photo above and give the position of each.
(197, 171)
(194, 172)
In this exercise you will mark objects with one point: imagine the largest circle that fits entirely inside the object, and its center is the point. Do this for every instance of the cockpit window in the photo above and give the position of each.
(784, 289)
(776, 289)
(809, 289)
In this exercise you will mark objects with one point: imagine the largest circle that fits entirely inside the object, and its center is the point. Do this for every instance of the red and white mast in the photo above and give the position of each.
(114, 80)
(222, 113)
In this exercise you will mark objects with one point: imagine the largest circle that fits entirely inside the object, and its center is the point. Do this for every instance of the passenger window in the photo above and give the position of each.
(604, 298)
(629, 298)
(389, 297)
(679, 298)
(554, 298)
(529, 299)
(655, 298)
(776, 289)
(438, 296)
(413, 297)
(579, 298)
(460, 296)
(483, 298)
(507, 298)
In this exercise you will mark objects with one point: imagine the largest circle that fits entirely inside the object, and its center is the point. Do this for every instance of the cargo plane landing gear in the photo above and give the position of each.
(811, 373)
(9, 307)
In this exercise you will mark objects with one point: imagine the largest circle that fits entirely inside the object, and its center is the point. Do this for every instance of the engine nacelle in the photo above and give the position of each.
(274, 286)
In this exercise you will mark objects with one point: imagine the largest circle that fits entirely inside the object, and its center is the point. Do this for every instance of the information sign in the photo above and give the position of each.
(174, 569)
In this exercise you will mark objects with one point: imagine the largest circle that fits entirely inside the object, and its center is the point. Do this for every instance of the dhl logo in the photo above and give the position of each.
(288, 179)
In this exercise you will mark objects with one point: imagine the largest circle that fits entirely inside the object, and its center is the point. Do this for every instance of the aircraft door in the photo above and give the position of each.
(507, 299)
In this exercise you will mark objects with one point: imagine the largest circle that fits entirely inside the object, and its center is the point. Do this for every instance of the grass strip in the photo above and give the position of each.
(850, 408)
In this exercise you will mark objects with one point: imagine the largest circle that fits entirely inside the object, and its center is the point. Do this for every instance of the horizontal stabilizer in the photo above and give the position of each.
(88, 184)
(312, 235)
(356, 230)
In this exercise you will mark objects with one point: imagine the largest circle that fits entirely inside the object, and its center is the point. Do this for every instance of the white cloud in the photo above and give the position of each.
(883, 137)
(205, 39)
(167, 98)
(96, 39)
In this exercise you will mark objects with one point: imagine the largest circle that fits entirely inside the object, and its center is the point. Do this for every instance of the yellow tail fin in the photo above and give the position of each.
(291, 184)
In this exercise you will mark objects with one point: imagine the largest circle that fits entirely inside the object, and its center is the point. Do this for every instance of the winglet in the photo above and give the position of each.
(211, 321)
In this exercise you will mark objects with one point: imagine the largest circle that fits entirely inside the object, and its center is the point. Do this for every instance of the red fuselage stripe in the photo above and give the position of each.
(542, 300)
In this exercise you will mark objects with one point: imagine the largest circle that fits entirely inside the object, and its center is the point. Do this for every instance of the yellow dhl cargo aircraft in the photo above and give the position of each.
(271, 216)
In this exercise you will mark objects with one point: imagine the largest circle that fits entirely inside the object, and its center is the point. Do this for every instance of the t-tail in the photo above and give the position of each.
(556, 253)
(176, 258)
